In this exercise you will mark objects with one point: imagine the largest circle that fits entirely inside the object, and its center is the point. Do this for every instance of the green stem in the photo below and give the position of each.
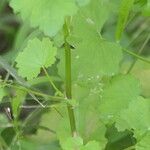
(136, 56)
(54, 98)
(43, 79)
(53, 85)
(68, 80)
(140, 30)
(139, 52)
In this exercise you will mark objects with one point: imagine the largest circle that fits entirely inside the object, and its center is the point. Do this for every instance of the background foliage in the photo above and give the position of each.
(109, 42)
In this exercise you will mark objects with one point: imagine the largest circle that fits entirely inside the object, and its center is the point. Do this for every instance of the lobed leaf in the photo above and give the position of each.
(144, 143)
(72, 143)
(117, 95)
(76, 143)
(17, 101)
(36, 55)
(91, 145)
(136, 117)
(88, 124)
(92, 56)
(47, 15)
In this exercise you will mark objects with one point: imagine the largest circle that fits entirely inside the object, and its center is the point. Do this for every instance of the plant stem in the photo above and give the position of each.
(54, 98)
(68, 80)
(136, 56)
(139, 52)
(53, 85)
(42, 79)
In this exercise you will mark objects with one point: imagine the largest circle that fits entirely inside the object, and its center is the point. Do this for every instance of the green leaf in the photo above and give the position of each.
(88, 123)
(8, 135)
(118, 140)
(117, 95)
(17, 101)
(136, 117)
(126, 6)
(63, 128)
(96, 13)
(82, 2)
(92, 145)
(92, 56)
(144, 143)
(48, 15)
(73, 143)
(146, 10)
(5, 65)
(76, 143)
(36, 55)
(96, 57)
(3, 122)
(29, 143)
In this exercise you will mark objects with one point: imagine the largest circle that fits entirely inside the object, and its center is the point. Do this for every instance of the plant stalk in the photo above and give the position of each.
(68, 80)
(136, 56)
(139, 52)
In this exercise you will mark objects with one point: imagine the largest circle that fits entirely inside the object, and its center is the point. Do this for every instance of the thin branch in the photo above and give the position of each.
(51, 82)
(139, 52)
(136, 56)
(54, 98)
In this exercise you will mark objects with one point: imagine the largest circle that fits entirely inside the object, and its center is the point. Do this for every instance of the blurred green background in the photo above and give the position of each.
(13, 37)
